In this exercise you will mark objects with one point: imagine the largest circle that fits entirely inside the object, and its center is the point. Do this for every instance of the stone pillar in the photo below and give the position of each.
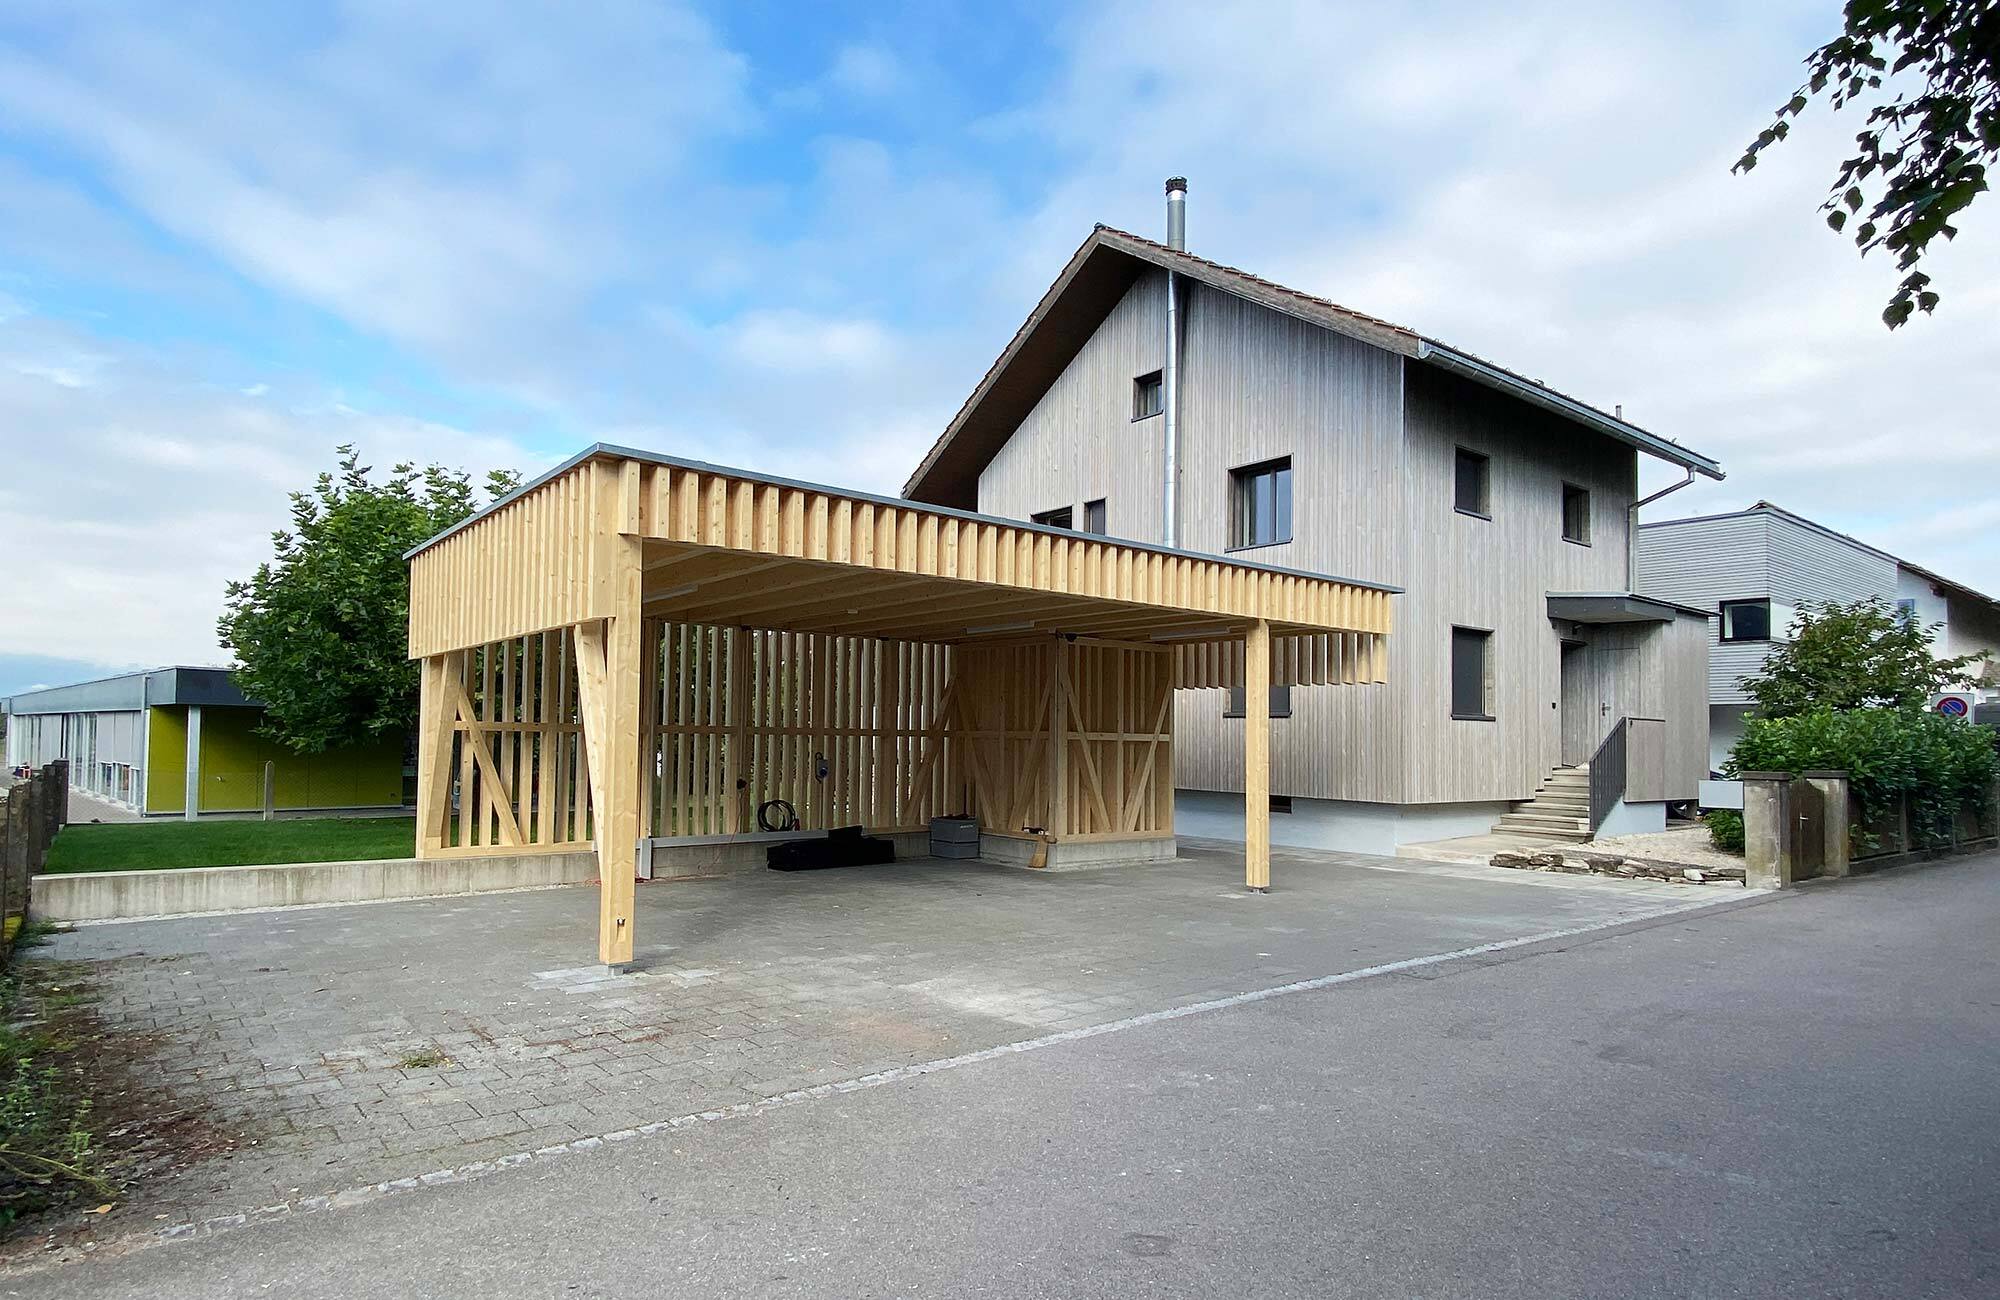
(59, 806)
(1831, 787)
(1767, 830)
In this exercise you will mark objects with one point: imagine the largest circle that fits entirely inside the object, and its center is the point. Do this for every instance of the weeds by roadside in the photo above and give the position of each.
(47, 1153)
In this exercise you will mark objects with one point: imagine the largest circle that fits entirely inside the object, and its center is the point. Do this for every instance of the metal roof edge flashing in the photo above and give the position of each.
(1548, 399)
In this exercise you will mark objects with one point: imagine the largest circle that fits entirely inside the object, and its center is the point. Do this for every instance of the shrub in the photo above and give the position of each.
(1725, 829)
(1941, 765)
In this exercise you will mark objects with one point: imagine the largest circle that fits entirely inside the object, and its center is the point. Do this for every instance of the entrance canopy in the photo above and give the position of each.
(634, 644)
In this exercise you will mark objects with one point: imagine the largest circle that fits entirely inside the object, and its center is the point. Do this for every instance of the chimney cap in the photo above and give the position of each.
(1176, 183)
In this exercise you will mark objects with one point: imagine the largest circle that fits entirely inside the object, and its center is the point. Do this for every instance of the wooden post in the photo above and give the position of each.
(1257, 757)
(738, 765)
(1058, 824)
(270, 790)
(621, 569)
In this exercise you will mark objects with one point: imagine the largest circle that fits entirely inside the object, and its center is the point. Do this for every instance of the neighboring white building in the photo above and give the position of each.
(1754, 569)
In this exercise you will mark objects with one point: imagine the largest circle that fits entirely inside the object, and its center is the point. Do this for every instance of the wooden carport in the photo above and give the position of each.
(634, 645)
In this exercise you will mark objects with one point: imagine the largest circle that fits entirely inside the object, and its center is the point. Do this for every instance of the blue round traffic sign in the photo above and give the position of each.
(1952, 706)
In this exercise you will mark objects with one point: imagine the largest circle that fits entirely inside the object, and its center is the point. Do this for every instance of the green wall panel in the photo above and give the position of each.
(232, 769)
(166, 759)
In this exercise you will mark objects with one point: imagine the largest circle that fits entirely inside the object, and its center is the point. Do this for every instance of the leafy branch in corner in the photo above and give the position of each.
(1924, 149)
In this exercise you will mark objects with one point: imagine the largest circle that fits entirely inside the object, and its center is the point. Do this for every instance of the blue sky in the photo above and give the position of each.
(793, 237)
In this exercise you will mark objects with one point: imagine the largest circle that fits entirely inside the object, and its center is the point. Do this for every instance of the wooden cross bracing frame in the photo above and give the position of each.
(634, 647)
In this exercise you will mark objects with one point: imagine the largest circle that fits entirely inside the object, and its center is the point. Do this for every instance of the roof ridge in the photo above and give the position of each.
(1262, 280)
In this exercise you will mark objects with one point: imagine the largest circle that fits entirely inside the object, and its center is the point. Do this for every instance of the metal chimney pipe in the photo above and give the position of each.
(1170, 374)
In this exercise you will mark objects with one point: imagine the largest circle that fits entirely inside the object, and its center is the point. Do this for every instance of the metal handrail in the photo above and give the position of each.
(1610, 769)
(1607, 775)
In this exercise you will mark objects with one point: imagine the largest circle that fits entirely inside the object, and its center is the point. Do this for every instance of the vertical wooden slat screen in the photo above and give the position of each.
(1317, 659)
(871, 710)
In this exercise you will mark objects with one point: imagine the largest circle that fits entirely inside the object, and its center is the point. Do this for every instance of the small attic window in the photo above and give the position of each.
(1149, 396)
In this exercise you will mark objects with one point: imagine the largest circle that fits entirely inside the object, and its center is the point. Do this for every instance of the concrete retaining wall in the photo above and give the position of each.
(115, 895)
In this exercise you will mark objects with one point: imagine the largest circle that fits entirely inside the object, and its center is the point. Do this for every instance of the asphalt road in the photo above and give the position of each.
(1795, 1098)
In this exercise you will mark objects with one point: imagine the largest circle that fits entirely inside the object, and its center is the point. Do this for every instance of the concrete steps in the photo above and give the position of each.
(1560, 810)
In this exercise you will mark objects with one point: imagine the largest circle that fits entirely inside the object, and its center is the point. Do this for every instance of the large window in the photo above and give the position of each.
(1060, 518)
(1472, 674)
(1746, 620)
(1472, 492)
(1281, 702)
(1149, 396)
(1260, 504)
(1093, 516)
(1576, 514)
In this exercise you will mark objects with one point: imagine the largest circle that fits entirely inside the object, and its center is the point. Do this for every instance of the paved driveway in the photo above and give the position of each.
(302, 1028)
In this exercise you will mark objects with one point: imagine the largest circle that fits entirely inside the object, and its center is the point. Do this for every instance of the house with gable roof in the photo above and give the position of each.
(1154, 395)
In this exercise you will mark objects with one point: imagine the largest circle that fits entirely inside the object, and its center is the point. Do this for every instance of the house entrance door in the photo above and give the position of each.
(1600, 684)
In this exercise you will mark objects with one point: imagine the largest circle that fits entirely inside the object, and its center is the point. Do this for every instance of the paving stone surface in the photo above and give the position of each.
(306, 1030)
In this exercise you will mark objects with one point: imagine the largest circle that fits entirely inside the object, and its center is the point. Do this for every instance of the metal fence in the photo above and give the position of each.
(32, 809)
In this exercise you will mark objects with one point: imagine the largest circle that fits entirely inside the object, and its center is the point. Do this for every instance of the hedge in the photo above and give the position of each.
(1941, 765)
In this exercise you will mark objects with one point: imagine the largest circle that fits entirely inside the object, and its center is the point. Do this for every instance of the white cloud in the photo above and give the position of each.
(133, 501)
(429, 175)
(869, 71)
(799, 342)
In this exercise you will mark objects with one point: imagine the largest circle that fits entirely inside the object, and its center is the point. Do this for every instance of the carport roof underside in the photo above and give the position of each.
(728, 547)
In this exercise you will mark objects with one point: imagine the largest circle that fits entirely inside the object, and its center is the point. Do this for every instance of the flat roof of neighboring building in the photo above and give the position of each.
(178, 684)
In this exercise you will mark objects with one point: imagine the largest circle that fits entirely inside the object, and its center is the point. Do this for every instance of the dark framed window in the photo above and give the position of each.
(1745, 620)
(1472, 486)
(1906, 609)
(1061, 518)
(1576, 514)
(1093, 516)
(1281, 803)
(1260, 504)
(1149, 396)
(1281, 702)
(1472, 674)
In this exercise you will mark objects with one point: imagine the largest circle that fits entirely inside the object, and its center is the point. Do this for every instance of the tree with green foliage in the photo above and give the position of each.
(320, 633)
(1864, 655)
(1930, 72)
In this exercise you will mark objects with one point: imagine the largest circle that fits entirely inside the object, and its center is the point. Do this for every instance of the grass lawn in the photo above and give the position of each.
(149, 846)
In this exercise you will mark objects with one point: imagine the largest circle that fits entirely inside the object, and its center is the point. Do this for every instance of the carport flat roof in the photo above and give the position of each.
(732, 547)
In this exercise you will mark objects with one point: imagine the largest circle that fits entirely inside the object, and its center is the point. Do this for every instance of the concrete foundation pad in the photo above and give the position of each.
(1076, 855)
